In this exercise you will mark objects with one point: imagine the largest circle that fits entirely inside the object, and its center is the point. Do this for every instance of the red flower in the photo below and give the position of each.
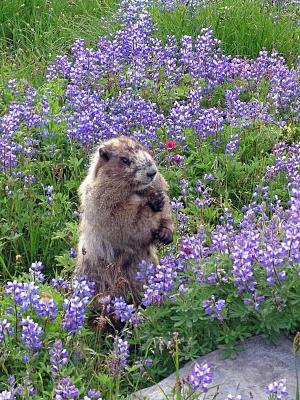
(170, 145)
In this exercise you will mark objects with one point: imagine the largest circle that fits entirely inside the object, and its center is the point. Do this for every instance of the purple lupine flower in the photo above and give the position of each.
(148, 362)
(65, 389)
(177, 158)
(72, 252)
(27, 388)
(11, 380)
(31, 334)
(277, 389)
(12, 86)
(214, 308)
(36, 266)
(254, 300)
(5, 329)
(201, 376)
(45, 307)
(83, 288)
(182, 288)
(184, 187)
(74, 314)
(82, 292)
(35, 271)
(26, 358)
(176, 205)
(60, 283)
(48, 193)
(58, 356)
(94, 394)
(23, 294)
(208, 177)
(7, 395)
(243, 253)
(125, 312)
(120, 355)
(232, 146)
(159, 281)
(193, 247)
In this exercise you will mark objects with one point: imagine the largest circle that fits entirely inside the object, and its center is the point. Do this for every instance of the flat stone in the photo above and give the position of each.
(259, 364)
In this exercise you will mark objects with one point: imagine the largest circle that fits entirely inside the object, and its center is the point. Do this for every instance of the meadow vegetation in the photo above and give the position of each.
(213, 88)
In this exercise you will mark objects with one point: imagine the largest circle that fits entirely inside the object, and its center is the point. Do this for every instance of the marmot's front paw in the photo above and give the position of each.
(164, 235)
(156, 200)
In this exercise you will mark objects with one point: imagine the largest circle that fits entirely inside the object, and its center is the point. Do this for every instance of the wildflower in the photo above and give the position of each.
(82, 292)
(160, 280)
(214, 308)
(125, 312)
(232, 145)
(26, 358)
(11, 380)
(58, 356)
(7, 395)
(170, 145)
(5, 329)
(201, 376)
(36, 266)
(31, 334)
(208, 177)
(74, 314)
(94, 394)
(65, 390)
(72, 252)
(35, 271)
(177, 158)
(60, 283)
(148, 362)
(120, 355)
(45, 306)
(24, 294)
(49, 190)
(277, 389)
(83, 288)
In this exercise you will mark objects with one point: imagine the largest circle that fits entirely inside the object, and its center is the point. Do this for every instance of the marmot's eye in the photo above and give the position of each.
(125, 160)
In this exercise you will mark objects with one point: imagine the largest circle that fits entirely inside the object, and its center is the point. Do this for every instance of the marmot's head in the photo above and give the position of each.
(125, 160)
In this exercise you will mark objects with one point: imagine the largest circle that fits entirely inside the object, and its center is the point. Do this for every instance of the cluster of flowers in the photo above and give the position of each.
(30, 310)
(142, 62)
(64, 389)
(26, 298)
(130, 65)
(21, 113)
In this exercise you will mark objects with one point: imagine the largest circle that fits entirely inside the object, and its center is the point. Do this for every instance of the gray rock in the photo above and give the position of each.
(259, 364)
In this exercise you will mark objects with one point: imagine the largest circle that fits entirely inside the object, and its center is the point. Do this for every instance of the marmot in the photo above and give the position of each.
(125, 212)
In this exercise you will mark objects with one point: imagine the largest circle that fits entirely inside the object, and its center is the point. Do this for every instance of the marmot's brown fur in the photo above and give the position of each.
(125, 213)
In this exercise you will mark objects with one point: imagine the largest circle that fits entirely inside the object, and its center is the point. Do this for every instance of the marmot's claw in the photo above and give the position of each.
(156, 201)
(164, 235)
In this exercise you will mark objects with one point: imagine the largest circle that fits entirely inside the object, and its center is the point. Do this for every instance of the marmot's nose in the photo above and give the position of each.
(151, 173)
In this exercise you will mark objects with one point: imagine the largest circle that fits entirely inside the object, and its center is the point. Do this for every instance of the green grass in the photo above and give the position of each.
(33, 32)
(244, 26)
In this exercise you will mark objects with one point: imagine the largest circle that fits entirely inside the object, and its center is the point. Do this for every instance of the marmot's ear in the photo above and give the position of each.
(151, 152)
(104, 153)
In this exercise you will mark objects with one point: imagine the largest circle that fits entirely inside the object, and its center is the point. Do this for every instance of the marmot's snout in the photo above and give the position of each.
(146, 170)
(152, 172)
